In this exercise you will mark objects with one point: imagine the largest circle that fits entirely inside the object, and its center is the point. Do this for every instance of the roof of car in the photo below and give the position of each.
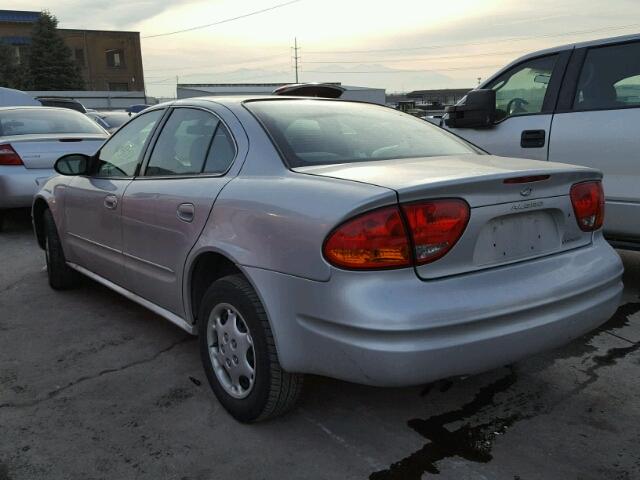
(239, 99)
(34, 107)
(590, 43)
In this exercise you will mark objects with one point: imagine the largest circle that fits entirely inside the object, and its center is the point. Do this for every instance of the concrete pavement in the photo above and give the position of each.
(93, 386)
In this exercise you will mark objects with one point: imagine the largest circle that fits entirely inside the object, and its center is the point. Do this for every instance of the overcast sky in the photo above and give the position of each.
(400, 45)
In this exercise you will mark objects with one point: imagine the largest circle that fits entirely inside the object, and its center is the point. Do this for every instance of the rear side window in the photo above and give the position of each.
(221, 153)
(610, 78)
(182, 146)
(44, 121)
(320, 132)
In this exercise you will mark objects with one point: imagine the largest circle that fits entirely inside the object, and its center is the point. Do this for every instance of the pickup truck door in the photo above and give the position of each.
(597, 124)
(166, 207)
(525, 98)
(93, 203)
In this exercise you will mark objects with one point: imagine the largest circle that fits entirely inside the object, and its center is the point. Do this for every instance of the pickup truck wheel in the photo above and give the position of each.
(61, 277)
(239, 354)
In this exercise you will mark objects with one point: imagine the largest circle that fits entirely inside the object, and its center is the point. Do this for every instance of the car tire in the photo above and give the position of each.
(61, 277)
(234, 328)
(2, 218)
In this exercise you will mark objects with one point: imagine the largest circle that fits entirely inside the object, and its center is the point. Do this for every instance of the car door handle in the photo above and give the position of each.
(186, 212)
(532, 138)
(111, 202)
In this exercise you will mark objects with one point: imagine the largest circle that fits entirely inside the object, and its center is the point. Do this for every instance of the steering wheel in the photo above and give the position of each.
(515, 106)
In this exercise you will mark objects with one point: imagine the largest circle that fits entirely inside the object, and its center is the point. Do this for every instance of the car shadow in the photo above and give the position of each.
(15, 221)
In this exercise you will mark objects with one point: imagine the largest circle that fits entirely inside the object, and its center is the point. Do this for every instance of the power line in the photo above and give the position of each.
(226, 20)
(423, 70)
(514, 39)
(415, 59)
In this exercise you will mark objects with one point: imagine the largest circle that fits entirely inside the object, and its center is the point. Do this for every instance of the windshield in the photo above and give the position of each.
(44, 121)
(321, 132)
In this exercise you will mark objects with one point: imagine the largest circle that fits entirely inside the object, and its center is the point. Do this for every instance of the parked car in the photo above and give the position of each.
(110, 121)
(576, 104)
(330, 237)
(13, 98)
(61, 102)
(31, 140)
(137, 108)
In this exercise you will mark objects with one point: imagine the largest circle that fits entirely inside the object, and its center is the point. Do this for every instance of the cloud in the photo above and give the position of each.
(112, 14)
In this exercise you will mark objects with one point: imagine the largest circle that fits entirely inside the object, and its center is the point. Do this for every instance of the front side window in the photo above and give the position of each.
(183, 145)
(610, 78)
(30, 121)
(321, 132)
(120, 155)
(522, 89)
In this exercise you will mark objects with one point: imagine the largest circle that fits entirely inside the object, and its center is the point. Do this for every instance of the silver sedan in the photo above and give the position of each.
(330, 237)
(31, 140)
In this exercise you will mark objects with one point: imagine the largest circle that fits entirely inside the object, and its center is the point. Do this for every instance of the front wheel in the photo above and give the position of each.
(239, 354)
(60, 275)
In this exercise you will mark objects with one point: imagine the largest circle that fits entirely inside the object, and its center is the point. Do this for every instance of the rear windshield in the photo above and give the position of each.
(43, 121)
(321, 132)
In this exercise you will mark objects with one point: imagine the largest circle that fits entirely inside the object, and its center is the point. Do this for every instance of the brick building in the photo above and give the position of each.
(108, 60)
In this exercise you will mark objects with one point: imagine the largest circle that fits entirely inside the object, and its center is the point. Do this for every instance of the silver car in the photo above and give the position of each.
(31, 140)
(329, 237)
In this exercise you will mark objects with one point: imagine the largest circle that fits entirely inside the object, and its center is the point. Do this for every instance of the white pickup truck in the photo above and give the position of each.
(577, 104)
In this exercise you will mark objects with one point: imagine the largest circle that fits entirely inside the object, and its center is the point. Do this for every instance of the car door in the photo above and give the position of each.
(525, 98)
(167, 206)
(598, 125)
(93, 203)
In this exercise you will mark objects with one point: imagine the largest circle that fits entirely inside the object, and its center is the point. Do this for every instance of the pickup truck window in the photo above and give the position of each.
(610, 78)
(521, 90)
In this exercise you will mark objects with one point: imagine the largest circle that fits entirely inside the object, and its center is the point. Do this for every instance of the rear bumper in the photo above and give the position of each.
(18, 185)
(391, 329)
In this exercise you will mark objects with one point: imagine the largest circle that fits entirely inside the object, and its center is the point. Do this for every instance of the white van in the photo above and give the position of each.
(16, 98)
(576, 104)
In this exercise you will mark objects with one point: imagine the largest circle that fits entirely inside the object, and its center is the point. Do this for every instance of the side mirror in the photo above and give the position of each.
(72, 164)
(477, 110)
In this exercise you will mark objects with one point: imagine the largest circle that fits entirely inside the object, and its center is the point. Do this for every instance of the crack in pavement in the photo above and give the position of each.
(55, 393)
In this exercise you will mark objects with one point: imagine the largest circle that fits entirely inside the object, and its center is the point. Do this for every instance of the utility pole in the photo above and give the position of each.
(296, 57)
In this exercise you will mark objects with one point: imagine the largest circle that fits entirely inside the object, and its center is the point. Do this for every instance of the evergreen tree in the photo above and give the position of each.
(50, 64)
(12, 74)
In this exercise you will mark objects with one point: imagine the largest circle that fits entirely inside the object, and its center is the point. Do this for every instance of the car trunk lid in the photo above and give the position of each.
(42, 151)
(520, 209)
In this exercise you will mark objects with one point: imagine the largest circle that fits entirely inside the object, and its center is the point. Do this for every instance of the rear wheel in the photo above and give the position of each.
(60, 275)
(239, 354)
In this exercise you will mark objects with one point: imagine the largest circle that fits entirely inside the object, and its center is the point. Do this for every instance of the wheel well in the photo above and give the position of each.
(39, 207)
(208, 268)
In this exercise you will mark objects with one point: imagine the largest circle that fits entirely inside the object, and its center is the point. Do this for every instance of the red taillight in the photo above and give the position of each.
(8, 155)
(379, 239)
(374, 240)
(587, 199)
(436, 226)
